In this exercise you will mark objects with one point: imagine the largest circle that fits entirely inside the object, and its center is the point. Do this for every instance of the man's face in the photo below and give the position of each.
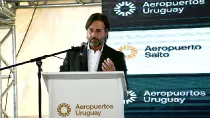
(96, 33)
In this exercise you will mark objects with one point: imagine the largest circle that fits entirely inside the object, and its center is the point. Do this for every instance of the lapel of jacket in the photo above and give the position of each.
(84, 61)
(104, 56)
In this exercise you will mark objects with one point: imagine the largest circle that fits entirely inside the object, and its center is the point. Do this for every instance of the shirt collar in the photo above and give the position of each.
(88, 48)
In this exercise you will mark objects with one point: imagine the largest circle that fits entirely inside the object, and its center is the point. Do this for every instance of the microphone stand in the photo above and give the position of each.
(38, 61)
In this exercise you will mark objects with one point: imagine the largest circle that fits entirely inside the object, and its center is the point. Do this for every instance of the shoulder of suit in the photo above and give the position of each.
(114, 51)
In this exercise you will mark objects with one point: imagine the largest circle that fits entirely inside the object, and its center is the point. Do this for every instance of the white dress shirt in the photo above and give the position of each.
(93, 59)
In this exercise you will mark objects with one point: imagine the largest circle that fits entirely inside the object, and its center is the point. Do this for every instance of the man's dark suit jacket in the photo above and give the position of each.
(75, 62)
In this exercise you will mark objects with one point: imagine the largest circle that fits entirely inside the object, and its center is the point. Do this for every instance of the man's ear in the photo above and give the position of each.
(106, 38)
(107, 33)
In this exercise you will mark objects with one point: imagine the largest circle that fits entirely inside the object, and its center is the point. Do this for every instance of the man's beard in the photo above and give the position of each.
(94, 42)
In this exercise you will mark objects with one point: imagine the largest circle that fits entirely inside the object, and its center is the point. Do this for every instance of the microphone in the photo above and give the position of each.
(83, 46)
(78, 48)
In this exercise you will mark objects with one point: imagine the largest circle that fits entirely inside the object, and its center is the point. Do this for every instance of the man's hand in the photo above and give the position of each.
(108, 65)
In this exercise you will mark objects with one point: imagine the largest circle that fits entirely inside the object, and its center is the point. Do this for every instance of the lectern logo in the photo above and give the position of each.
(124, 8)
(64, 110)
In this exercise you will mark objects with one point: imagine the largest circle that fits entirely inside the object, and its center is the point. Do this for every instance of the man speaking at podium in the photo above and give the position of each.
(96, 55)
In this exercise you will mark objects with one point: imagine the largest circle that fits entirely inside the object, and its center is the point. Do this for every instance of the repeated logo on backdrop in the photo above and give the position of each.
(64, 110)
(124, 8)
(129, 51)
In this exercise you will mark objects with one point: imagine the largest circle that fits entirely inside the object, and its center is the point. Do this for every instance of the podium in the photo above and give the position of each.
(86, 94)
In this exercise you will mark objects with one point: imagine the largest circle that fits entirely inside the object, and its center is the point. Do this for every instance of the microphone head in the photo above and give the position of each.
(83, 44)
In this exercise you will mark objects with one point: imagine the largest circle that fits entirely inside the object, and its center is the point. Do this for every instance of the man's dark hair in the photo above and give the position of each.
(98, 16)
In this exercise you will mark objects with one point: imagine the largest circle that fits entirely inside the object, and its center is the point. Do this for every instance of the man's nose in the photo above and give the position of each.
(94, 34)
